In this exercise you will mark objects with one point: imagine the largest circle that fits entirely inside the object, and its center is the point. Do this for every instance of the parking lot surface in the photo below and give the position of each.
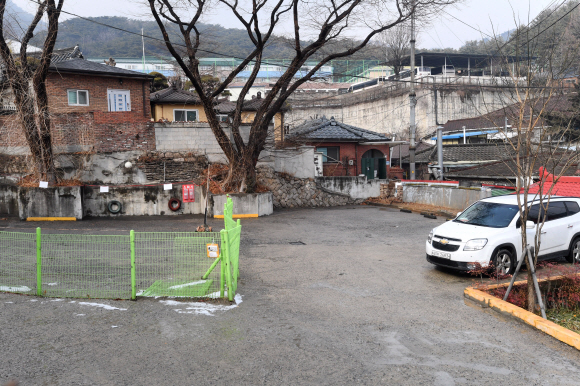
(337, 296)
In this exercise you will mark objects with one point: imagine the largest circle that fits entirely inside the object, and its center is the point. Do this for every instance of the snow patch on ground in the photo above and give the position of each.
(105, 306)
(57, 300)
(187, 284)
(50, 283)
(22, 288)
(9, 302)
(201, 308)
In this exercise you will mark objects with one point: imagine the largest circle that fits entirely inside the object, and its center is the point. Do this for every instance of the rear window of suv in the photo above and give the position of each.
(488, 214)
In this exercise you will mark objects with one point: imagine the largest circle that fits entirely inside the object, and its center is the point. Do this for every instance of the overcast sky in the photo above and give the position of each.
(485, 15)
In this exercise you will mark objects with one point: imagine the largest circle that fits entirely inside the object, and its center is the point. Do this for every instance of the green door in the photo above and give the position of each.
(382, 169)
(368, 167)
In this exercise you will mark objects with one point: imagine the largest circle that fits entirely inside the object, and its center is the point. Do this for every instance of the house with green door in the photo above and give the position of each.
(346, 150)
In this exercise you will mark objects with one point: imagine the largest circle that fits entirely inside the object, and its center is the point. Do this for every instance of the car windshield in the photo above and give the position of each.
(488, 214)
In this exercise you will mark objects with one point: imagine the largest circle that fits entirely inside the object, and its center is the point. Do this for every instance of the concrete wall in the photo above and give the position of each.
(50, 202)
(196, 137)
(355, 187)
(450, 197)
(297, 162)
(140, 201)
(253, 203)
(8, 200)
(379, 109)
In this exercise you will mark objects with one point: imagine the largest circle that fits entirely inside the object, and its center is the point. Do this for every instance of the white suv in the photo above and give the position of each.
(489, 231)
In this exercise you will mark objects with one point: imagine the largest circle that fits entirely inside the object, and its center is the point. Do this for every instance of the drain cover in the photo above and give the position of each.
(296, 243)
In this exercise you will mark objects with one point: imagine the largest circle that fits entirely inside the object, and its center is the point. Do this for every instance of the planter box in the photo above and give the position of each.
(245, 204)
(50, 202)
(489, 301)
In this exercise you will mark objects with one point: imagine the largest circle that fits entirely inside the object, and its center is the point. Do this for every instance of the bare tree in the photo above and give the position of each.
(395, 43)
(26, 78)
(324, 24)
(538, 137)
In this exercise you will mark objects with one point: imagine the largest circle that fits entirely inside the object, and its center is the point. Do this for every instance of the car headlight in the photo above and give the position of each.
(475, 244)
(430, 237)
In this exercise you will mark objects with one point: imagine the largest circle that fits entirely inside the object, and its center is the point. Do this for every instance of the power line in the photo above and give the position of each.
(337, 74)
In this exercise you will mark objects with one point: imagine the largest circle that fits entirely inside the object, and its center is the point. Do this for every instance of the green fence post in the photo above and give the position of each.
(222, 266)
(38, 262)
(133, 279)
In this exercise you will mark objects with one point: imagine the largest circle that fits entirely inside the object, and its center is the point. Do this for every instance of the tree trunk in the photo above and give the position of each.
(242, 174)
(531, 295)
(26, 110)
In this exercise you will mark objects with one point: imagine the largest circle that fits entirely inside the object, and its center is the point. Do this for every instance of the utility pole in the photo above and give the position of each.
(412, 95)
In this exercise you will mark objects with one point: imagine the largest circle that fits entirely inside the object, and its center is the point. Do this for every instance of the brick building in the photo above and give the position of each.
(95, 108)
(347, 150)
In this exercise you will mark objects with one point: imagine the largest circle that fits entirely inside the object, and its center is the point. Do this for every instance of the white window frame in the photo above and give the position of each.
(220, 116)
(186, 110)
(77, 91)
(113, 108)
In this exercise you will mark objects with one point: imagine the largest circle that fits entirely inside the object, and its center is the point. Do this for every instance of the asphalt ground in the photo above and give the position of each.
(357, 303)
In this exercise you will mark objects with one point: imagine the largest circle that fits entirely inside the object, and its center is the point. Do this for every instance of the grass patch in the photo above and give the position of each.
(566, 318)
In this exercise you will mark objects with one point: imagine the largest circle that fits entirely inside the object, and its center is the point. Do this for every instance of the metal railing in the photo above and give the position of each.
(159, 264)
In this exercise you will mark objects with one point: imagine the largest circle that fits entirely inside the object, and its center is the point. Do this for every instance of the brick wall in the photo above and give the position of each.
(97, 86)
(348, 151)
(88, 128)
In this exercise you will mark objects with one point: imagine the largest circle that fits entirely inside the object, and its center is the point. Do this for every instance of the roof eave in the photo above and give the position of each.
(99, 73)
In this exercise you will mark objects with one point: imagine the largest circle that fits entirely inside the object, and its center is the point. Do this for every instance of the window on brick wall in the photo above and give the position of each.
(119, 100)
(78, 97)
(331, 153)
(185, 115)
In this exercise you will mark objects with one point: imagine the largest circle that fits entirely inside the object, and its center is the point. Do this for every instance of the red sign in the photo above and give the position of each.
(188, 193)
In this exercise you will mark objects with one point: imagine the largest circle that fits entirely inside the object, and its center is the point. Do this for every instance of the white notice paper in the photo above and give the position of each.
(43, 184)
(167, 186)
(104, 189)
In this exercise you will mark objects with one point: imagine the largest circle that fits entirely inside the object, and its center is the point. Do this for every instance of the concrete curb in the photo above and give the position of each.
(488, 301)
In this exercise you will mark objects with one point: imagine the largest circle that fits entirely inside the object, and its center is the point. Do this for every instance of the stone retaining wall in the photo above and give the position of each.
(292, 192)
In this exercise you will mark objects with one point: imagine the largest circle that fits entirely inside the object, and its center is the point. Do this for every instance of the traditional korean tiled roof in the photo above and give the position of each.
(330, 130)
(174, 95)
(404, 147)
(476, 152)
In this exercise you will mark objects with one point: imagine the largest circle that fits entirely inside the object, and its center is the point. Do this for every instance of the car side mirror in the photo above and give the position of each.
(530, 224)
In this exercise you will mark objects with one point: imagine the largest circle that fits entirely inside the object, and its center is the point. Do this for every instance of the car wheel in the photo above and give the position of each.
(504, 262)
(574, 253)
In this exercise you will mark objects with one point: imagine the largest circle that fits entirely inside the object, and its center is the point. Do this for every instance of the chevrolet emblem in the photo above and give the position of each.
(444, 241)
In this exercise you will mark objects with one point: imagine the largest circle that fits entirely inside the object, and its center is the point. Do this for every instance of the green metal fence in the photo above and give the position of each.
(122, 267)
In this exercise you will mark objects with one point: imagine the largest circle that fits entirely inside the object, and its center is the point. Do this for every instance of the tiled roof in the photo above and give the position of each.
(558, 104)
(227, 107)
(564, 186)
(77, 65)
(421, 146)
(469, 152)
(330, 130)
(174, 95)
